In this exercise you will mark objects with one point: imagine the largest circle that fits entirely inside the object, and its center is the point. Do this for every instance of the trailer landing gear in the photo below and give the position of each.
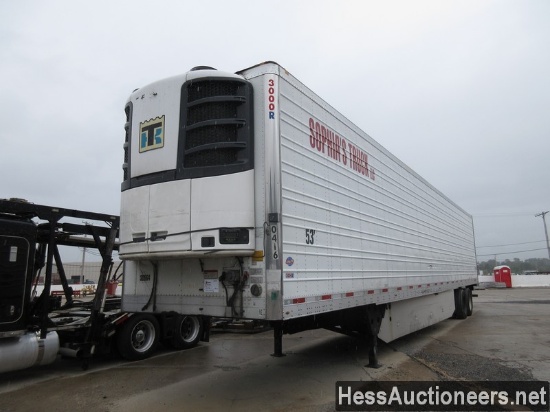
(278, 340)
(362, 322)
(374, 315)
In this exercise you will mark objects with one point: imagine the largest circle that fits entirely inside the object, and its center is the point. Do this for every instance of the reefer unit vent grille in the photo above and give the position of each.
(216, 133)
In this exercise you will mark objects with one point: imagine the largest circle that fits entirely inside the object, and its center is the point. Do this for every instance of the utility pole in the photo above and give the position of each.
(83, 259)
(82, 267)
(543, 214)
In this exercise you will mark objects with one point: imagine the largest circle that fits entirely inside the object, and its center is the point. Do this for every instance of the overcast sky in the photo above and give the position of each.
(458, 90)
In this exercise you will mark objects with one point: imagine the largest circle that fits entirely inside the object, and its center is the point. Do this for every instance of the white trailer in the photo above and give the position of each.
(246, 195)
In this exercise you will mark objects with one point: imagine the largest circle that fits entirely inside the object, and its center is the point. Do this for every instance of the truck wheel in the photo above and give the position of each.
(461, 304)
(138, 337)
(187, 332)
(470, 300)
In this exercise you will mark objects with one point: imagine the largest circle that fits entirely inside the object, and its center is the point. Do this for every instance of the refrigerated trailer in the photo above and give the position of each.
(246, 195)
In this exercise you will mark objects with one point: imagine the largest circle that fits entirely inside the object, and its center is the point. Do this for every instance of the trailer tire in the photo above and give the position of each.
(187, 332)
(470, 300)
(138, 337)
(461, 304)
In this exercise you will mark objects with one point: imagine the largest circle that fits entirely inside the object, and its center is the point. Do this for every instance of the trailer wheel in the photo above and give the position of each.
(461, 304)
(470, 300)
(138, 337)
(187, 332)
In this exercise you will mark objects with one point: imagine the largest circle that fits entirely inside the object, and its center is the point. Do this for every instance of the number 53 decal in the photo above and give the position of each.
(310, 233)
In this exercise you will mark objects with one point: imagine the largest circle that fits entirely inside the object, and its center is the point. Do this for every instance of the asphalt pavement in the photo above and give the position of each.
(507, 338)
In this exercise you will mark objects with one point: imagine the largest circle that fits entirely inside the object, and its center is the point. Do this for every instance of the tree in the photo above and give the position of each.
(517, 266)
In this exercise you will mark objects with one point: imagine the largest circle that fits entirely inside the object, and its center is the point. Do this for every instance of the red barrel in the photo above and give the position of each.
(111, 287)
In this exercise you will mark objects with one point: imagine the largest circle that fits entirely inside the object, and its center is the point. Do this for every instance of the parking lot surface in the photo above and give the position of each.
(507, 338)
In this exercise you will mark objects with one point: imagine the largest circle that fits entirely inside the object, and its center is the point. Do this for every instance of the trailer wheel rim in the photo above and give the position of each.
(143, 336)
(189, 328)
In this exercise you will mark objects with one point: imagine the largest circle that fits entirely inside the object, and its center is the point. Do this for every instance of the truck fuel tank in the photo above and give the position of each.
(27, 350)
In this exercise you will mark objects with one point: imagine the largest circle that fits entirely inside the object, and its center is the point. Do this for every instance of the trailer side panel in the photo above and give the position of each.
(359, 226)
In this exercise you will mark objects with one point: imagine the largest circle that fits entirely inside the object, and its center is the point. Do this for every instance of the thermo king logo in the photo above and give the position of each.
(151, 134)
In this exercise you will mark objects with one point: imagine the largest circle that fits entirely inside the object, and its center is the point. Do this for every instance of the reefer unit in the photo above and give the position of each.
(246, 195)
